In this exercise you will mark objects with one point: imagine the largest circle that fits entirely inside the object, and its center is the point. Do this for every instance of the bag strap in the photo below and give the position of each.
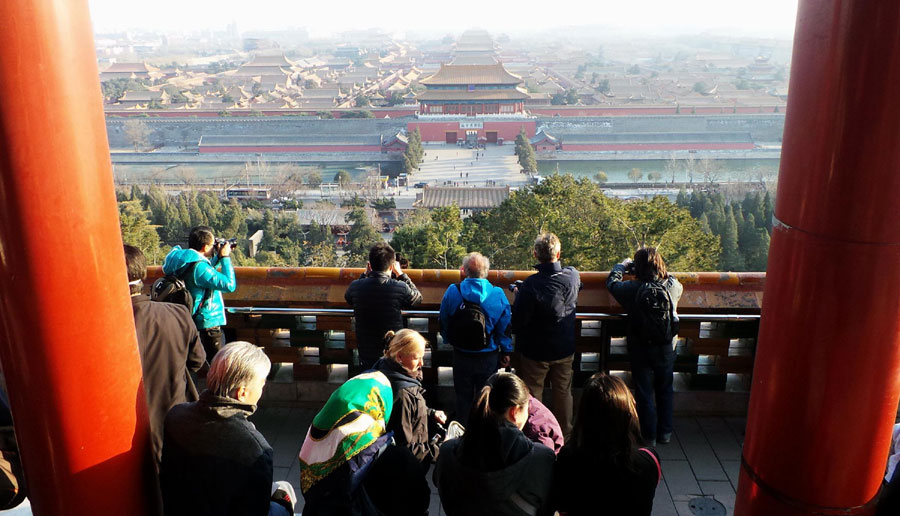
(207, 293)
(655, 461)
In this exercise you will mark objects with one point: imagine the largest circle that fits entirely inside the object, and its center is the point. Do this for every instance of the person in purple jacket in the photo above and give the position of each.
(542, 426)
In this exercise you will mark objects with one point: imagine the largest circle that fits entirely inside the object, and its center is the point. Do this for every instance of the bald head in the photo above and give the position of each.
(476, 265)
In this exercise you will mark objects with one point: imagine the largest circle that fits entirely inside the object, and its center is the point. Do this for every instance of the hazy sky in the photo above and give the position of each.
(738, 17)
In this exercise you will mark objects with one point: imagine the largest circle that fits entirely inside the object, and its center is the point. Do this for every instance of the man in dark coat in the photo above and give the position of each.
(169, 346)
(543, 320)
(377, 299)
(215, 462)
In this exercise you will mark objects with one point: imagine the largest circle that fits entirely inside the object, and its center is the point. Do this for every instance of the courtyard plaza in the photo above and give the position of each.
(445, 162)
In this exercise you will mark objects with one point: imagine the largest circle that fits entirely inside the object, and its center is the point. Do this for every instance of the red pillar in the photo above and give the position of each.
(827, 373)
(67, 345)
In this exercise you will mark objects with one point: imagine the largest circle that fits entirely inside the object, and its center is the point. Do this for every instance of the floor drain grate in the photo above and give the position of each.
(707, 507)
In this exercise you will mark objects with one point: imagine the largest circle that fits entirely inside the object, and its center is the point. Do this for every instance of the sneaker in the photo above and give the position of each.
(665, 438)
(283, 493)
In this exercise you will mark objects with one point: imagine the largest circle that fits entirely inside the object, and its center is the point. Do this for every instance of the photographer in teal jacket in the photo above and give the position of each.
(205, 267)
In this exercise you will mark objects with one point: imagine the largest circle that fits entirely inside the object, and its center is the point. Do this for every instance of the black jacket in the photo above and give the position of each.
(215, 462)
(625, 291)
(377, 300)
(584, 486)
(409, 417)
(169, 346)
(520, 488)
(543, 315)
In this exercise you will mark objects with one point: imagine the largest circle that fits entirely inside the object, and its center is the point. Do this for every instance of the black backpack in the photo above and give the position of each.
(653, 318)
(171, 288)
(467, 329)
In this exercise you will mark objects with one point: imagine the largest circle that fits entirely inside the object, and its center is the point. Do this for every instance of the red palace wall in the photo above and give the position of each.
(211, 149)
(588, 111)
(437, 131)
(657, 146)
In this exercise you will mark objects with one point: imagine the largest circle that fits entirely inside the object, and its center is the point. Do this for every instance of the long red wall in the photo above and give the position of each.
(437, 131)
(657, 146)
(588, 111)
(213, 149)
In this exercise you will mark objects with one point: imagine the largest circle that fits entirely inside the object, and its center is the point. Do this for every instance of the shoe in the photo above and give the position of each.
(283, 494)
(665, 438)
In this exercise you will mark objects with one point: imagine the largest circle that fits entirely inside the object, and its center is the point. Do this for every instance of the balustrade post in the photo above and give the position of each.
(68, 345)
(827, 373)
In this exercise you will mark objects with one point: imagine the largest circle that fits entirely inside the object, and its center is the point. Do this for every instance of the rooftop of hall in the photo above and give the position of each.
(462, 94)
(450, 74)
(471, 198)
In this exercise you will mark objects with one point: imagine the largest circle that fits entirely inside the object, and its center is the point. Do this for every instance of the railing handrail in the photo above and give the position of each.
(348, 312)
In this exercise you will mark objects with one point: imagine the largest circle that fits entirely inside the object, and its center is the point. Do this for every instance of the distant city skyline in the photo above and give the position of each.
(761, 18)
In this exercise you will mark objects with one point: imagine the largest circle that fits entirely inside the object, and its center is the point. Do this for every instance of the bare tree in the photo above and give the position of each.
(187, 175)
(671, 166)
(710, 169)
(137, 133)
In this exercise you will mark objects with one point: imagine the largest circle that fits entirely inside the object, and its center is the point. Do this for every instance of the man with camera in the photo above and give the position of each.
(543, 320)
(205, 267)
(378, 298)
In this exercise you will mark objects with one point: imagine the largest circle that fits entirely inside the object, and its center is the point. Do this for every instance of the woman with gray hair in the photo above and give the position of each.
(215, 461)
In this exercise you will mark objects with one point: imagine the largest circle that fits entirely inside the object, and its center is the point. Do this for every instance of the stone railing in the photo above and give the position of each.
(299, 316)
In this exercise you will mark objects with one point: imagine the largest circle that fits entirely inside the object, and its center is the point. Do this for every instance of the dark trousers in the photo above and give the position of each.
(470, 373)
(212, 340)
(652, 369)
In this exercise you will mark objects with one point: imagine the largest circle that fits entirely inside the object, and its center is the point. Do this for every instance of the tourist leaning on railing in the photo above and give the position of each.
(603, 469)
(378, 298)
(651, 301)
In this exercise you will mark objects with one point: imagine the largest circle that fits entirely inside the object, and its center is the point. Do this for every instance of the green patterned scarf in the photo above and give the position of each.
(352, 419)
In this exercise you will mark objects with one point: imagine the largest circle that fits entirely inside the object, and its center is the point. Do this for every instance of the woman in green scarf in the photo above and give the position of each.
(348, 453)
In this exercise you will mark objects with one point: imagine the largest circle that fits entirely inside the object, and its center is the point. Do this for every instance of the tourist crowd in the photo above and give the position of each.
(373, 446)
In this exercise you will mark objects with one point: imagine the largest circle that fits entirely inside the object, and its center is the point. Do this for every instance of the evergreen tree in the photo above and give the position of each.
(269, 235)
(361, 237)
(137, 230)
(730, 259)
(682, 200)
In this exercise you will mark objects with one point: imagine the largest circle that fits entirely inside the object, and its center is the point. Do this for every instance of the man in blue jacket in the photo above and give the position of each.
(472, 367)
(206, 271)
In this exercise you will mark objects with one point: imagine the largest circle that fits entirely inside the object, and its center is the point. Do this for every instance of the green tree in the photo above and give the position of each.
(654, 176)
(731, 259)
(314, 178)
(635, 175)
(342, 177)
(558, 99)
(603, 86)
(572, 96)
(701, 88)
(361, 237)
(596, 231)
(384, 204)
(601, 177)
(137, 230)
(432, 239)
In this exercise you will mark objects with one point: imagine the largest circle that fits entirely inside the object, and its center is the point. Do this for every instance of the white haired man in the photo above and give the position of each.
(482, 342)
(215, 461)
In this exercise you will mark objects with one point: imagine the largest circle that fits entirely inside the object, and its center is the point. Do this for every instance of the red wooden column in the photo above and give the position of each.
(67, 345)
(827, 374)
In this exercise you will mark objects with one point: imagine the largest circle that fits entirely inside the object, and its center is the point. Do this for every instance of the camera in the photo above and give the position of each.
(514, 285)
(221, 242)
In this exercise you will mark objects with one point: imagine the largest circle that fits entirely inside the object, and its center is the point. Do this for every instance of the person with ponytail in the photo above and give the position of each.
(494, 469)
(402, 364)
(604, 469)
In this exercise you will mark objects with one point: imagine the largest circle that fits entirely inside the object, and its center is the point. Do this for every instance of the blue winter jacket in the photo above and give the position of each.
(205, 284)
(494, 304)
